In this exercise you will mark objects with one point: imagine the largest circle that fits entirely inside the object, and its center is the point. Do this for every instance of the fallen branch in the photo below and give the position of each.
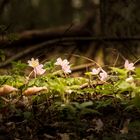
(57, 41)
(81, 67)
(26, 51)
(38, 36)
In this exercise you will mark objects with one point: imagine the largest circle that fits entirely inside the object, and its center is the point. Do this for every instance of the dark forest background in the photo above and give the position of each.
(102, 30)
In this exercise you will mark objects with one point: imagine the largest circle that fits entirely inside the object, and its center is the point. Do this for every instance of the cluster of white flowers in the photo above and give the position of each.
(103, 74)
(64, 64)
(37, 68)
(129, 67)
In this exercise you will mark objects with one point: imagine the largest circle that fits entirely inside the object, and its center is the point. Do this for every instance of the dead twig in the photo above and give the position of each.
(81, 67)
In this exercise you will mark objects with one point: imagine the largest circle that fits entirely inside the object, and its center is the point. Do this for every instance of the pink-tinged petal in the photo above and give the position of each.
(39, 70)
(95, 71)
(65, 62)
(126, 63)
(59, 61)
(66, 69)
(103, 76)
(129, 66)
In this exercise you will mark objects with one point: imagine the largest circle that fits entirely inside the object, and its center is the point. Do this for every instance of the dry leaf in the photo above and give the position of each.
(64, 136)
(99, 124)
(125, 127)
(124, 130)
(6, 89)
(49, 137)
(1, 117)
(11, 125)
(33, 90)
(25, 100)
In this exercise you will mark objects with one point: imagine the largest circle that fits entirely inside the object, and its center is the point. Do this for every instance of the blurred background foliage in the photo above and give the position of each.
(110, 19)
(31, 14)
(116, 17)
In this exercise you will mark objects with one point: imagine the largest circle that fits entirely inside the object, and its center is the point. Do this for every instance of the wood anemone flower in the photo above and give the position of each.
(64, 65)
(34, 90)
(95, 71)
(37, 68)
(6, 89)
(103, 75)
(129, 66)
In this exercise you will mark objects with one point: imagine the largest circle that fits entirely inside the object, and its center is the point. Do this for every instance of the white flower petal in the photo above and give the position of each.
(33, 62)
(59, 61)
(95, 71)
(103, 76)
(66, 69)
(129, 66)
(64, 64)
(39, 70)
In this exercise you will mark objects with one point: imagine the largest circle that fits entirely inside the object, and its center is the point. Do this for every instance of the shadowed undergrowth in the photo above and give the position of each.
(46, 102)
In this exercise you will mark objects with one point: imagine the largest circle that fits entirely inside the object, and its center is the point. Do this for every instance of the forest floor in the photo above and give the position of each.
(101, 111)
(85, 118)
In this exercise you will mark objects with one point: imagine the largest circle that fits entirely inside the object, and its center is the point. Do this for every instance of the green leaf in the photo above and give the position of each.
(2, 55)
(88, 73)
(121, 72)
(49, 65)
(123, 86)
(135, 126)
(103, 103)
(90, 111)
(18, 68)
(86, 104)
(136, 100)
(76, 105)
(137, 72)
(4, 79)
(129, 108)
(106, 89)
(27, 115)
